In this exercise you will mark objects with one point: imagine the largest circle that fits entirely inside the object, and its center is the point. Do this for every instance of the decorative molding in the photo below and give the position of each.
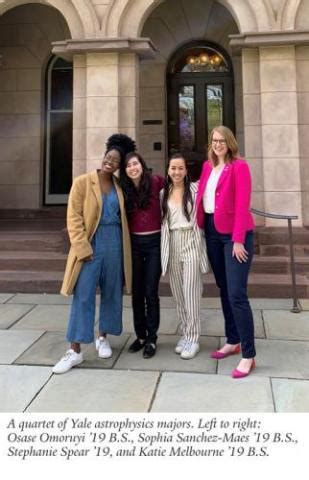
(76, 22)
(141, 46)
(265, 39)
(289, 14)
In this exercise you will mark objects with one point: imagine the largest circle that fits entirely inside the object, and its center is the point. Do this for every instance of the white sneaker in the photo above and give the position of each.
(190, 350)
(103, 347)
(180, 345)
(69, 360)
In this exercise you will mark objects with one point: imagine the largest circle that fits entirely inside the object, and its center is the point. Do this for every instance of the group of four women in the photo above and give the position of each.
(132, 227)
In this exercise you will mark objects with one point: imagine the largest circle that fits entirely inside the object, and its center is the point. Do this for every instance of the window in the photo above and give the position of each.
(59, 125)
(199, 59)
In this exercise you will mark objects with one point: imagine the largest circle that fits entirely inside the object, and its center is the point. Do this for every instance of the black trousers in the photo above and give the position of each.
(232, 278)
(146, 268)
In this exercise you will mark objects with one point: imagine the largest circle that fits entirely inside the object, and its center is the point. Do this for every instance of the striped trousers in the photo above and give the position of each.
(186, 281)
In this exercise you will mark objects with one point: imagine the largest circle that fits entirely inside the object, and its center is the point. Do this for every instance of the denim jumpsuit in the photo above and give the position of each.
(105, 271)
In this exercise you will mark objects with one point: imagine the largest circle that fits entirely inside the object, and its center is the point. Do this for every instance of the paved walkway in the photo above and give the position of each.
(32, 330)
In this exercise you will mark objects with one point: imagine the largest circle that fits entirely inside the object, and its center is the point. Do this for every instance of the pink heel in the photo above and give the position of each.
(220, 355)
(238, 374)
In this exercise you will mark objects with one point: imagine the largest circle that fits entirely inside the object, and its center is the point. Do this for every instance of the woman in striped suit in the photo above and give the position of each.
(183, 252)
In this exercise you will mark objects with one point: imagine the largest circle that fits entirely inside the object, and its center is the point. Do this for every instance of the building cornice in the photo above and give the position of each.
(141, 46)
(269, 39)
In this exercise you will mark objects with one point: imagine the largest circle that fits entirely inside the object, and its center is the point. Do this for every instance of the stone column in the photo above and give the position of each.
(280, 132)
(128, 75)
(252, 125)
(102, 103)
(79, 115)
(105, 102)
(302, 74)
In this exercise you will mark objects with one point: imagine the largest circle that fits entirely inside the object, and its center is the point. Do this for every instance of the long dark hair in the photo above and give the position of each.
(135, 197)
(187, 195)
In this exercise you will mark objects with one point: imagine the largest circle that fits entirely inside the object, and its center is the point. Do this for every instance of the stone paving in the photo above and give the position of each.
(32, 339)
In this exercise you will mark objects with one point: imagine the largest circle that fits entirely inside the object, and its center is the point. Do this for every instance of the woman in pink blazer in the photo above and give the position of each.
(223, 210)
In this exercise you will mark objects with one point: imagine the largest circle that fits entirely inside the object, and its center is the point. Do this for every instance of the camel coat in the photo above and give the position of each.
(83, 216)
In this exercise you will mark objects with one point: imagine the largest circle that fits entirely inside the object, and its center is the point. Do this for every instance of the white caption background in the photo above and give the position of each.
(162, 443)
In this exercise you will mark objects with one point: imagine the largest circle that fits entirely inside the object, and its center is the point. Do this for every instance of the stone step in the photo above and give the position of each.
(260, 285)
(35, 241)
(45, 213)
(27, 260)
(279, 264)
(280, 235)
(20, 281)
(32, 225)
(282, 250)
(55, 261)
(32, 258)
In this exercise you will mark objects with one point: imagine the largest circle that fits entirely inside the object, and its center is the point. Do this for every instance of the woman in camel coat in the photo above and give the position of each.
(86, 197)
(100, 256)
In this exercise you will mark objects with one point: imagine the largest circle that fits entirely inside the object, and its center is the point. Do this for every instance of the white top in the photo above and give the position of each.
(177, 217)
(210, 190)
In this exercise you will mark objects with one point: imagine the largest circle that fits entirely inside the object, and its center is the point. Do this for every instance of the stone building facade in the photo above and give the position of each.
(72, 72)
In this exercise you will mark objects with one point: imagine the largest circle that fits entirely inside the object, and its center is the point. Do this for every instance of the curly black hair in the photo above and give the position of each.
(121, 142)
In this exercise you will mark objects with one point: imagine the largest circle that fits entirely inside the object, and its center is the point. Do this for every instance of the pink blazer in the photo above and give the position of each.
(232, 202)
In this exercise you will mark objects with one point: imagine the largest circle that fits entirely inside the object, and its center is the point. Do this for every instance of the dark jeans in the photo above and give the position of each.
(232, 278)
(146, 268)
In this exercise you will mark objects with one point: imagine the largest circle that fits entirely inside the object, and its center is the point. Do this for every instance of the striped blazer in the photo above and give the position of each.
(198, 236)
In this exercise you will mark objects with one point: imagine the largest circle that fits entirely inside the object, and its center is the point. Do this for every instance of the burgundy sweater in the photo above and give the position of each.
(148, 220)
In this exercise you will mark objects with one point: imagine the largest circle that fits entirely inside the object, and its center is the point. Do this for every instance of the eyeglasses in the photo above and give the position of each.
(221, 141)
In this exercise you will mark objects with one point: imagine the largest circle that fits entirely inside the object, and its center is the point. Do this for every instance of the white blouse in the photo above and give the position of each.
(210, 190)
(176, 216)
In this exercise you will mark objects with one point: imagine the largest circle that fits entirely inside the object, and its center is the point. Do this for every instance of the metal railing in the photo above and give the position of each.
(296, 305)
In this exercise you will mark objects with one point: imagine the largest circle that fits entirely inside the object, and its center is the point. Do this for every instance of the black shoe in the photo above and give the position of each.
(137, 345)
(149, 350)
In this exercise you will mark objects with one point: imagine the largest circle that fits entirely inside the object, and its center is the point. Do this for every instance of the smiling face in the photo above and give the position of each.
(177, 170)
(111, 161)
(219, 145)
(134, 170)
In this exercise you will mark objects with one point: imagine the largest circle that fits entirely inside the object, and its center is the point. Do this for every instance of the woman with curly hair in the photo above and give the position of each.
(141, 190)
(100, 254)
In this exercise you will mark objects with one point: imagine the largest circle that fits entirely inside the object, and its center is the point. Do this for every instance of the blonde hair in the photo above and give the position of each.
(231, 143)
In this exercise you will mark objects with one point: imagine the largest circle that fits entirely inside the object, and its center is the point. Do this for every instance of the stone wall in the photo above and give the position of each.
(26, 33)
